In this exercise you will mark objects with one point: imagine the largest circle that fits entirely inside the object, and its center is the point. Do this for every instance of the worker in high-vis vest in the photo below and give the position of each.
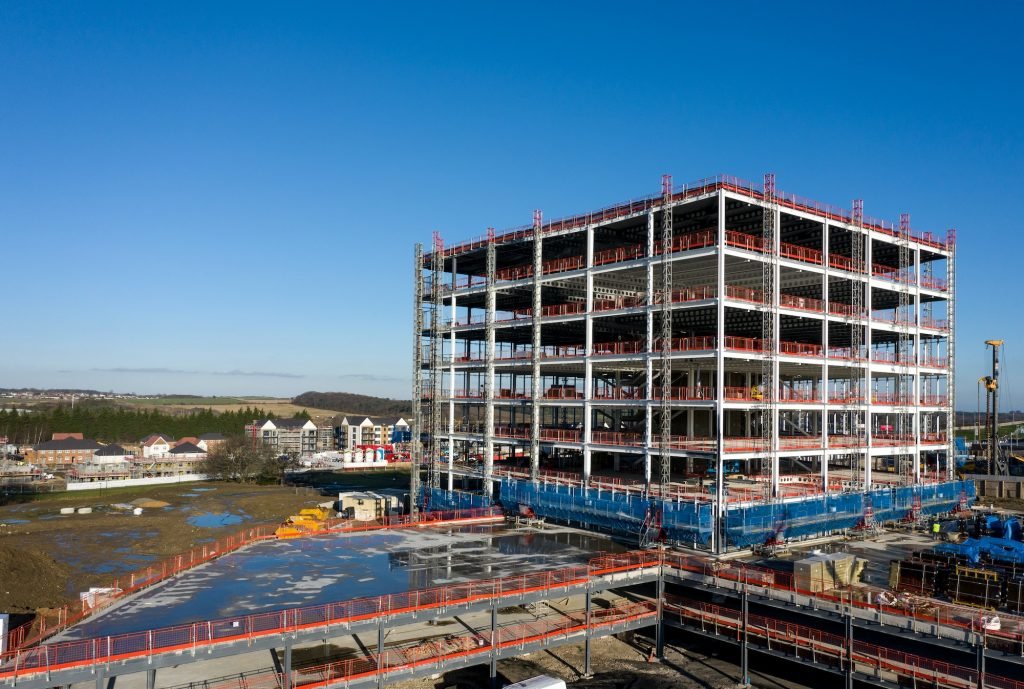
(935, 530)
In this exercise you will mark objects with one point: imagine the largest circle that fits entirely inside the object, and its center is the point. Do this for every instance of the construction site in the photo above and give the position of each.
(719, 417)
(719, 366)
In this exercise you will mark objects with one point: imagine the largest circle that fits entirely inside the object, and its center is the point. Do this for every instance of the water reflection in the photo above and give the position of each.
(281, 574)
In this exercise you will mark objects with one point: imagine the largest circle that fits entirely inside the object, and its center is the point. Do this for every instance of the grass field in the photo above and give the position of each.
(181, 401)
(1006, 429)
(281, 407)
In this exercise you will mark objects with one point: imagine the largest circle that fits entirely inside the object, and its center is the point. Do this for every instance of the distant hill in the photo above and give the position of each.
(354, 404)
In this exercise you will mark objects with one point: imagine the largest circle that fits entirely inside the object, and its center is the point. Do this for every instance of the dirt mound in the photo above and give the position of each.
(31, 579)
(149, 503)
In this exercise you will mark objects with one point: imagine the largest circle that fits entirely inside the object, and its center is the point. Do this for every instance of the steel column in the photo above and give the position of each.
(588, 366)
(980, 659)
(744, 640)
(380, 653)
(648, 363)
(494, 646)
(848, 641)
(586, 639)
(451, 384)
(718, 507)
(538, 305)
(489, 379)
(659, 629)
(286, 666)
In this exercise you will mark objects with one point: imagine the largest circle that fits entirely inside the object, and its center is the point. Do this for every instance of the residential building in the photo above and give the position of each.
(112, 454)
(183, 458)
(210, 441)
(65, 436)
(293, 437)
(66, 452)
(156, 444)
(326, 438)
(370, 430)
(109, 462)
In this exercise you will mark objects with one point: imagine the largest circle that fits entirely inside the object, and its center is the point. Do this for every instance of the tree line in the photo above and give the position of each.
(110, 424)
(348, 402)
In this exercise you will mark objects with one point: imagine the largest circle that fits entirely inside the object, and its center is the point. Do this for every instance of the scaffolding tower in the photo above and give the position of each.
(436, 370)
(665, 434)
(906, 356)
(769, 340)
(416, 444)
(535, 342)
(860, 384)
(950, 354)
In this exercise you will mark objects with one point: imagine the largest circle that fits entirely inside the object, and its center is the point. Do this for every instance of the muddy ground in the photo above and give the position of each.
(623, 662)
(48, 558)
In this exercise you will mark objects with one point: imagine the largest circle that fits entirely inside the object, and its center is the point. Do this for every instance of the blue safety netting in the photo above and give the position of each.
(756, 524)
(684, 522)
(802, 518)
(608, 510)
(439, 500)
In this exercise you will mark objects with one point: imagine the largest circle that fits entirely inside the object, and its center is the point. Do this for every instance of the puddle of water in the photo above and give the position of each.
(203, 490)
(308, 571)
(209, 520)
(13, 521)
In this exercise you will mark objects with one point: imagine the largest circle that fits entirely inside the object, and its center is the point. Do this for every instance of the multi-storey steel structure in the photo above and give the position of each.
(720, 328)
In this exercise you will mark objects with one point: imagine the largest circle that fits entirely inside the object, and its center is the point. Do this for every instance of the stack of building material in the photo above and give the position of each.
(915, 576)
(977, 587)
(824, 572)
(1015, 595)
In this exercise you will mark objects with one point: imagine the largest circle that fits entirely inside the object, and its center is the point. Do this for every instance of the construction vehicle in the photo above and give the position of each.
(306, 522)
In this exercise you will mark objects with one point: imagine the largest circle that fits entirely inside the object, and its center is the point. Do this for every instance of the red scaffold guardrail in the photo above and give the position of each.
(959, 618)
(820, 646)
(86, 652)
(435, 652)
(683, 192)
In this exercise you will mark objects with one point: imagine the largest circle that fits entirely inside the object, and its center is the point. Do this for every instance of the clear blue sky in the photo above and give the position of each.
(223, 197)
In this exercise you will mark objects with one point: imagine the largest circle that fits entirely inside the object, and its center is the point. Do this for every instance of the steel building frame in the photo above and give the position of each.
(808, 348)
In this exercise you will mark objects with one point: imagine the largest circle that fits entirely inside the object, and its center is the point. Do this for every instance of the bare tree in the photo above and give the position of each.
(245, 460)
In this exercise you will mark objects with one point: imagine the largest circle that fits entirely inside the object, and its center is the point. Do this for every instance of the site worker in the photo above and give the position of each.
(935, 530)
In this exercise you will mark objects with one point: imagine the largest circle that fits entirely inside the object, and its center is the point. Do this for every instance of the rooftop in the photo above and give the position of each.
(701, 187)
